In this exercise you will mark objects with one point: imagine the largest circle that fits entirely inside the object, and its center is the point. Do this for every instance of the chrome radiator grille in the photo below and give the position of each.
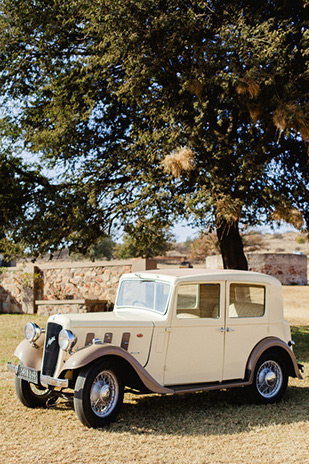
(51, 349)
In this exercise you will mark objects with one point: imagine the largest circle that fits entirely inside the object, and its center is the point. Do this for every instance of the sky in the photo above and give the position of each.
(183, 230)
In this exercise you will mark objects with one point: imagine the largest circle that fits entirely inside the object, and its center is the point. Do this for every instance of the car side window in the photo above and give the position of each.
(246, 300)
(198, 301)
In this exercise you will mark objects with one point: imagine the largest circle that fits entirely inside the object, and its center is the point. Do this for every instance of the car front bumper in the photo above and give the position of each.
(34, 376)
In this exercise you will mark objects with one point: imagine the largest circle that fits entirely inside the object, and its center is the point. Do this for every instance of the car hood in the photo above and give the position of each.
(110, 327)
(105, 319)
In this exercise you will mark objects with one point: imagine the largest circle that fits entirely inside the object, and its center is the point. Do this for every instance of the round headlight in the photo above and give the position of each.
(66, 340)
(32, 332)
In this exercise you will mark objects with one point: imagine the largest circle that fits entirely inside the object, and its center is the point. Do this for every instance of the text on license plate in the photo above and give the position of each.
(26, 373)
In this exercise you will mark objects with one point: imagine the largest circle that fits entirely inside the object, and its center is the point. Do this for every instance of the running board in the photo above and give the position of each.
(208, 386)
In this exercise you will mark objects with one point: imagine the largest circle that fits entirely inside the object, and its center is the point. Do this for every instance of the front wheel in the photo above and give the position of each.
(270, 379)
(98, 394)
(30, 395)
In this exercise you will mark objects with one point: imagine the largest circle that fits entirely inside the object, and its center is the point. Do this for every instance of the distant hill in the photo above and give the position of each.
(254, 242)
(290, 242)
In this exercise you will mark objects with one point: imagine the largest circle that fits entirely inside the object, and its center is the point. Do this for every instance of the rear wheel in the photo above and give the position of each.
(98, 394)
(270, 379)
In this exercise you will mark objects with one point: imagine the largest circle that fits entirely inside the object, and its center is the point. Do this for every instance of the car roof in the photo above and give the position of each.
(176, 274)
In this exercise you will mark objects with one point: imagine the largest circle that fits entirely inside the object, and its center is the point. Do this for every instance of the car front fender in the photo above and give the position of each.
(94, 352)
(31, 354)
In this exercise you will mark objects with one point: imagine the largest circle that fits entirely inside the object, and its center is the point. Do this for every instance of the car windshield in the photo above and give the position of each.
(144, 294)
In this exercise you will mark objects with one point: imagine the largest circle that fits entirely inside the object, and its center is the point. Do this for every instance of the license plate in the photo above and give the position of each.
(26, 373)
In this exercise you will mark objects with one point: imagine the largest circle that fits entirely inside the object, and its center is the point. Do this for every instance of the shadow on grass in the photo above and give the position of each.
(217, 412)
(203, 414)
(300, 336)
(212, 413)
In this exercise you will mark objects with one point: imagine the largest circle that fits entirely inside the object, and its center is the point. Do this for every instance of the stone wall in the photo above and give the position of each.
(73, 306)
(11, 290)
(96, 283)
(290, 269)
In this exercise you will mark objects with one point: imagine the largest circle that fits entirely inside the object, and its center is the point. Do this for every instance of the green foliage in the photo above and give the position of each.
(113, 92)
(20, 187)
(301, 239)
(146, 239)
(30, 279)
(102, 249)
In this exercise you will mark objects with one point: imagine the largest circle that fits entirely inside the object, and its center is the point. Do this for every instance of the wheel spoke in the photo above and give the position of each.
(269, 379)
(104, 393)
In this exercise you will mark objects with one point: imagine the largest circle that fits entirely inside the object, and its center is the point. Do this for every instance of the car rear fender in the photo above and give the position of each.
(273, 344)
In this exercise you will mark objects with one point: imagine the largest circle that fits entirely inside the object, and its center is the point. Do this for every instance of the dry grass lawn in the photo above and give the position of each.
(214, 428)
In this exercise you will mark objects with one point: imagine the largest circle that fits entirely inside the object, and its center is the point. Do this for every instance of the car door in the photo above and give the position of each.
(196, 335)
(246, 324)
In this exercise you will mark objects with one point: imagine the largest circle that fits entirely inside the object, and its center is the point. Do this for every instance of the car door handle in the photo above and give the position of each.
(222, 329)
(228, 329)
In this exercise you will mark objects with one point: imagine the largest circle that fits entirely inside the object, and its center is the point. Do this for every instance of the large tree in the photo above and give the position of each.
(38, 216)
(157, 109)
(19, 186)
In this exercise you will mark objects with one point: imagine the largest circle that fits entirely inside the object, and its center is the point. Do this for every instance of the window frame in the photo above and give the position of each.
(195, 318)
(248, 285)
(125, 307)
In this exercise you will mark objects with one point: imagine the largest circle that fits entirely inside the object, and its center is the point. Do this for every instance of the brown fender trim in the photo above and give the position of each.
(30, 355)
(262, 346)
(92, 352)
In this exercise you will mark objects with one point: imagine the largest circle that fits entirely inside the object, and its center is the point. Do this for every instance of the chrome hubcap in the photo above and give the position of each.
(269, 379)
(104, 393)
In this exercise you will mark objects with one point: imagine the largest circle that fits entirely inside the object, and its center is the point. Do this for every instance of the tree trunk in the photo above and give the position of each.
(231, 246)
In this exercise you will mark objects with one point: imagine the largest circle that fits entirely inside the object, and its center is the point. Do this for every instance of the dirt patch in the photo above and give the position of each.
(296, 304)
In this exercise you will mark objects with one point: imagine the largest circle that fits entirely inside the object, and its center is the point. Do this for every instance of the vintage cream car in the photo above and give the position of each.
(171, 331)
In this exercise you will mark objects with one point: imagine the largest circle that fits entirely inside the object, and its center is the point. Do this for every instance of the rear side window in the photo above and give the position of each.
(246, 300)
(198, 301)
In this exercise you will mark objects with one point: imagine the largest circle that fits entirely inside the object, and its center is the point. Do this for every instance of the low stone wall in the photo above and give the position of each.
(289, 269)
(21, 287)
(97, 282)
(51, 307)
(11, 290)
